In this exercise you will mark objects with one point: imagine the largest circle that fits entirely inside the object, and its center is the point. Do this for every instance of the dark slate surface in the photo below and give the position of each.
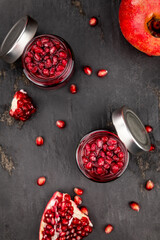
(133, 80)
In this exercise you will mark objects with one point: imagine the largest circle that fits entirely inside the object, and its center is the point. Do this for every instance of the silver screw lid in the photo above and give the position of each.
(131, 130)
(18, 37)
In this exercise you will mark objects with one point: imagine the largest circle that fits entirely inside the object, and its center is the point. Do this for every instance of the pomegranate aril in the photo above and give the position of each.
(54, 60)
(121, 155)
(48, 63)
(104, 147)
(41, 181)
(85, 160)
(46, 72)
(152, 148)
(93, 21)
(60, 68)
(88, 165)
(102, 73)
(112, 141)
(38, 49)
(37, 57)
(60, 124)
(148, 128)
(99, 143)
(114, 168)
(104, 139)
(63, 54)
(39, 141)
(149, 185)
(106, 165)
(78, 191)
(84, 210)
(87, 70)
(53, 50)
(135, 206)
(120, 164)
(93, 147)
(28, 60)
(100, 161)
(99, 171)
(78, 200)
(52, 71)
(108, 229)
(73, 88)
(64, 62)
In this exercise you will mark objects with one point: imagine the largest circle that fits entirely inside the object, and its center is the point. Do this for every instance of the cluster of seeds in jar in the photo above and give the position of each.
(46, 57)
(103, 156)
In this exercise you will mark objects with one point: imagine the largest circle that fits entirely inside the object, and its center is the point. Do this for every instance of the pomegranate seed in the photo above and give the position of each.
(100, 161)
(73, 88)
(102, 73)
(88, 165)
(78, 191)
(108, 229)
(77, 200)
(60, 124)
(87, 70)
(41, 181)
(135, 206)
(114, 168)
(93, 21)
(152, 148)
(149, 185)
(39, 141)
(84, 210)
(149, 128)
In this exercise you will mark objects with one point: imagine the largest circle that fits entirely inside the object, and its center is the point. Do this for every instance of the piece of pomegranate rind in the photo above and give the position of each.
(77, 214)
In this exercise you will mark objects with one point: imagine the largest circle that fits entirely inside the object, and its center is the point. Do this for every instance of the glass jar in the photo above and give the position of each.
(103, 156)
(47, 59)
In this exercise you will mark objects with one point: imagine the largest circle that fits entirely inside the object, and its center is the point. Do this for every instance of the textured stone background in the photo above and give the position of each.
(133, 80)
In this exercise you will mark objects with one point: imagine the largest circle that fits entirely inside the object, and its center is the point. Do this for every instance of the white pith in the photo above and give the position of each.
(76, 214)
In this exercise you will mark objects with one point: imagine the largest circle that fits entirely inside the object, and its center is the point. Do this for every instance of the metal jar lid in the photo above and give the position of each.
(18, 37)
(131, 130)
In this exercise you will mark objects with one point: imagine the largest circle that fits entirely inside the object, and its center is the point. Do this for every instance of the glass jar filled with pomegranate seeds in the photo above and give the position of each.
(103, 156)
(47, 59)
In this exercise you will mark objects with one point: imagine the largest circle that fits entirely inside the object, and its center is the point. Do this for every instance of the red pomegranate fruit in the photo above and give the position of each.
(63, 220)
(140, 24)
(21, 106)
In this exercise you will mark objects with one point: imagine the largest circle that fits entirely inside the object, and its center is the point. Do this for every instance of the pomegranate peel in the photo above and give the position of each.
(62, 219)
(21, 106)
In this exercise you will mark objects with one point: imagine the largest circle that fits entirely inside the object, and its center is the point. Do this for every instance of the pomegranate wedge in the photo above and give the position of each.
(62, 219)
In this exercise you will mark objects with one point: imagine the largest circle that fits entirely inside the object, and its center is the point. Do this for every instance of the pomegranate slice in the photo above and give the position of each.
(62, 219)
(21, 107)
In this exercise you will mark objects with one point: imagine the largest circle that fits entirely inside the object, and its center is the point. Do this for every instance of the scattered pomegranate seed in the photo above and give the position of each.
(87, 70)
(108, 229)
(149, 185)
(73, 88)
(41, 181)
(93, 21)
(84, 210)
(135, 206)
(152, 148)
(60, 124)
(39, 141)
(78, 200)
(148, 128)
(102, 73)
(78, 191)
